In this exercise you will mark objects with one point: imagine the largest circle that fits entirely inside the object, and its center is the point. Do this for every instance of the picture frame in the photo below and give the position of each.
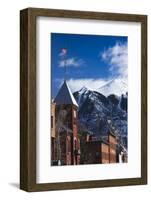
(28, 98)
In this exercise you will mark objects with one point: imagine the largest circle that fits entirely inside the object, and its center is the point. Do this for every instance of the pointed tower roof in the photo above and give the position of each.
(65, 95)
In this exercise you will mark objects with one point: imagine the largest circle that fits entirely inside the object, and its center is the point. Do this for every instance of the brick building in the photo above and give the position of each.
(53, 131)
(97, 152)
(101, 151)
(65, 143)
(112, 142)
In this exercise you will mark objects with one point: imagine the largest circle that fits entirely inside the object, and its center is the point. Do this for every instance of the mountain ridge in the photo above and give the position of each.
(97, 113)
(115, 86)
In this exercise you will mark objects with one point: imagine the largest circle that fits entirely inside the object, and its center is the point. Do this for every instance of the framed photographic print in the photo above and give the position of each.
(83, 99)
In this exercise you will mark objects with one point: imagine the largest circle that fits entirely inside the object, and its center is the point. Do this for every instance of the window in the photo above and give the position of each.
(74, 114)
(51, 121)
(75, 143)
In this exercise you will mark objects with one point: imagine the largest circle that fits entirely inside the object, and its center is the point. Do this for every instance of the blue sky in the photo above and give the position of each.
(91, 60)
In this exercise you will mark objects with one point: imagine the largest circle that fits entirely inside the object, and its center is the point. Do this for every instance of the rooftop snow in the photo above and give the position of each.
(65, 95)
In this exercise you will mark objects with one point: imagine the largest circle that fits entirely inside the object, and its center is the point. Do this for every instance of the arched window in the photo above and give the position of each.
(74, 114)
(68, 144)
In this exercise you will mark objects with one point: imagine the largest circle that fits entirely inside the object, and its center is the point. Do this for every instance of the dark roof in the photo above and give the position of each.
(65, 96)
(98, 140)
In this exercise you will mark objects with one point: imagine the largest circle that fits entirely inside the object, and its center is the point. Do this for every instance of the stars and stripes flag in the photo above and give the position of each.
(63, 52)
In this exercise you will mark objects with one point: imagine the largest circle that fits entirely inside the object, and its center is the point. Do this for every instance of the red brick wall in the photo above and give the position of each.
(68, 156)
(68, 150)
(53, 108)
(93, 150)
(76, 141)
(112, 148)
(105, 153)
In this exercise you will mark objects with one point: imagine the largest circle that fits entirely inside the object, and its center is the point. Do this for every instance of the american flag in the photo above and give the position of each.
(63, 52)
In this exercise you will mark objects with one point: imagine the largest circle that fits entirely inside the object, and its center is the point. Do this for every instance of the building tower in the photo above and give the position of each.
(66, 138)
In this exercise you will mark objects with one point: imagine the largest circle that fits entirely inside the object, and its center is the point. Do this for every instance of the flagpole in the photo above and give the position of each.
(65, 71)
(65, 65)
(63, 54)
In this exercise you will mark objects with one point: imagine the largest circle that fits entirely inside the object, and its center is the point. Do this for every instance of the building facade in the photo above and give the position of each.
(53, 131)
(112, 141)
(66, 144)
(101, 151)
(97, 152)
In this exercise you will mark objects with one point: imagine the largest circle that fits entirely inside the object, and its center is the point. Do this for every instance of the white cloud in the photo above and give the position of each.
(94, 84)
(71, 62)
(115, 86)
(108, 86)
(117, 58)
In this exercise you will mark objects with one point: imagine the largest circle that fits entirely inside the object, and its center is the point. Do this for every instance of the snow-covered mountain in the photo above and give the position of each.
(116, 86)
(98, 113)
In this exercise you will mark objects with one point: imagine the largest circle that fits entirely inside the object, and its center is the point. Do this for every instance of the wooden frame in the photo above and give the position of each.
(28, 98)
